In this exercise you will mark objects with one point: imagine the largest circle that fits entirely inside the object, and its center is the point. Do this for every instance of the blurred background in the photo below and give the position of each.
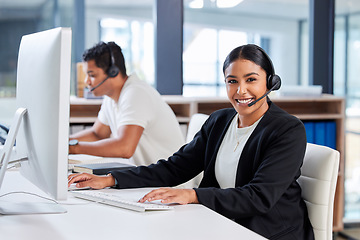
(211, 28)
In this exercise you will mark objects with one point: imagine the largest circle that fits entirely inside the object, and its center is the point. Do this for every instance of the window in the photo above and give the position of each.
(346, 72)
(205, 50)
(18, 18)
(211, 31)
(136, 39)
(200, 61)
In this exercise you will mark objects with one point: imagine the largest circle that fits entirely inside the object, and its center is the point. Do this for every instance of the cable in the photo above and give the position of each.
(33, 194)
(16, 165)
(36, 195)
(17, 162)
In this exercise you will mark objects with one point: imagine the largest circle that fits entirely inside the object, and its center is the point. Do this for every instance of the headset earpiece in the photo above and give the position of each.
(274, 82)
(113, 70)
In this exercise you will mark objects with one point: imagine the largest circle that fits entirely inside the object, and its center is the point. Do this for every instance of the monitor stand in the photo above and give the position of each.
(21, 208)
(10, 208)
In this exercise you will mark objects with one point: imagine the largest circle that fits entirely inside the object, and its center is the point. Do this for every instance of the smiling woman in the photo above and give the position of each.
(249, 77)
(253, 183)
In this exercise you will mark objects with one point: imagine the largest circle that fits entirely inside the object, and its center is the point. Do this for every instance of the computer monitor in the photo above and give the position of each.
(42, 96)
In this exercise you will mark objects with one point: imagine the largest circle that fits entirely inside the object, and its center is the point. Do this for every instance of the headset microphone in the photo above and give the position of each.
(92, 89)
(275, 87)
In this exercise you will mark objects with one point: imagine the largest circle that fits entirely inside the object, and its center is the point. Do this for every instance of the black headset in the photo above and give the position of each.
(273, 82)
(113, 70)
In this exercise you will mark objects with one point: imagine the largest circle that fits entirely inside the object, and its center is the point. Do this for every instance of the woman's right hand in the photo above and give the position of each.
(90, 180)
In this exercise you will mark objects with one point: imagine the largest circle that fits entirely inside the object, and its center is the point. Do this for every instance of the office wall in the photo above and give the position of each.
(283, 32)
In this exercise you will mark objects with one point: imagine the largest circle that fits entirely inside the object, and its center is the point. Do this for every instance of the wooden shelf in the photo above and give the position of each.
(326, 107)
(82, 120)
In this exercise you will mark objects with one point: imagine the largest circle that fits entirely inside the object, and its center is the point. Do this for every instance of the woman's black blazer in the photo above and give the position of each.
(266, 198)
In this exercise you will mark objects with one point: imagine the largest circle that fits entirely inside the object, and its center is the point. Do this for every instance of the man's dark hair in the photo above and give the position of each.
(102, 56)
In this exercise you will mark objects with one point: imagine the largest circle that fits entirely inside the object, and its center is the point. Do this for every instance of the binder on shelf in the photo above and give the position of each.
(310, 131)
(320, 133)
(330, 138)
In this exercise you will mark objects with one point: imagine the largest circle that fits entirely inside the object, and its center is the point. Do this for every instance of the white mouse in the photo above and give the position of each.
(73, 187)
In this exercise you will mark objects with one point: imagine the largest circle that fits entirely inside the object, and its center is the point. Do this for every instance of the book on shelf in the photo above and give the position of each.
(100, 168)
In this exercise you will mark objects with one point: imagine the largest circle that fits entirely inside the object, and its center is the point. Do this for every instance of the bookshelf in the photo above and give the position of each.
(326, 107)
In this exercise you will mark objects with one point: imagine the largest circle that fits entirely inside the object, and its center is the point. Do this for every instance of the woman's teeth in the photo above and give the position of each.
(243, 101)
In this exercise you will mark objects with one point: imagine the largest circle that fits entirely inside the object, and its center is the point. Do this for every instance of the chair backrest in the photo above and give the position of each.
(318, 183)
(196, 121)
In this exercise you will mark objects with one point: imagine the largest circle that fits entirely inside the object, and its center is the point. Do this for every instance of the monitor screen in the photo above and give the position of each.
(43, 89)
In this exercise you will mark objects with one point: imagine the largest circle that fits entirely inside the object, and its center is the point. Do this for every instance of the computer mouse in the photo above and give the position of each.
(73, 187)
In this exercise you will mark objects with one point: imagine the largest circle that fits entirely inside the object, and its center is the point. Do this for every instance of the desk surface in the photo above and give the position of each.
(87, 220)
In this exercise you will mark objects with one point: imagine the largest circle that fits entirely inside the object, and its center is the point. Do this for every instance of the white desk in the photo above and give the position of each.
(89, 221)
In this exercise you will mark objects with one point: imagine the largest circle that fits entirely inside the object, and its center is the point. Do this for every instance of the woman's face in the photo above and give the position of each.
(245, 82)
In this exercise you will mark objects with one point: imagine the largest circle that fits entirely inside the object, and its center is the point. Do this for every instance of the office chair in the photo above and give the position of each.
(195, 124)
(318, 183)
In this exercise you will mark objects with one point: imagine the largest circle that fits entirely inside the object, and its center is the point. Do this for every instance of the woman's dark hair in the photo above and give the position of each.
(102, 56)
(252, 53)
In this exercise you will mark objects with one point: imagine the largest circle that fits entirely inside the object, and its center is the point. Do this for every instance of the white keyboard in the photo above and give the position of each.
(114, 200)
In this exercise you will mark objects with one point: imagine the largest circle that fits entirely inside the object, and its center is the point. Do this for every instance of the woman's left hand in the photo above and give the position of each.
(171, 195)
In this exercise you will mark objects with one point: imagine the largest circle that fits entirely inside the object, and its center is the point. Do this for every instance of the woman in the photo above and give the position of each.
(251, 156)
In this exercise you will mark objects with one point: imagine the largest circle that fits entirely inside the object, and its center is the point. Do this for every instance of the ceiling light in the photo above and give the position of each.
(227, 3)
(196, 4)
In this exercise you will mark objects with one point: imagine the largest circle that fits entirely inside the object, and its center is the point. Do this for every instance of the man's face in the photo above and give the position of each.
(94, 76)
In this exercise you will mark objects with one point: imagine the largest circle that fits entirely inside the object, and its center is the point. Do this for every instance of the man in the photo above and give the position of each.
(133, 120)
